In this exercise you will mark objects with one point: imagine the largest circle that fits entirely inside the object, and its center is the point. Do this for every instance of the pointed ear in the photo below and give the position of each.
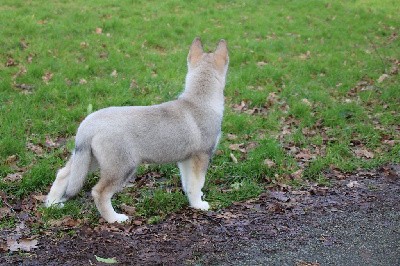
(195, 51)
(221, 54)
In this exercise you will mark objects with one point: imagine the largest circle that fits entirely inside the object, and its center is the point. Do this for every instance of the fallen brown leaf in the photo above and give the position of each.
(133, 84)
(231, 136)
(67, 221)
(306, 102)
(272, 98)
(297, 175)
(4, 212)
(39, 197)
(11, 160)
(29, 58)
(23, 44)
(22, 71)
(10, 62)
(84, 44)
(305, 56)
(261, 63)
(137, 222)
(382, 78)
(54, 143)
(362, 152)
(237, 147)
(269, 163)
(304, 154)
(47, 77)
(35, 148)
(114, 74)
(131, 210)
(23, 244)
(394, 70)
(240, 107)
(13, 177)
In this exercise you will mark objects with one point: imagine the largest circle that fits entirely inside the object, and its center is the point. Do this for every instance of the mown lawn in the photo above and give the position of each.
(312, 91)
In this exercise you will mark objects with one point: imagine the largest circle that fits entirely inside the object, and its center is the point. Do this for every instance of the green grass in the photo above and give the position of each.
(314, 54)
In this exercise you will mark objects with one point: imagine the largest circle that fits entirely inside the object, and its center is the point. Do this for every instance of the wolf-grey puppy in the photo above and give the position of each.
(118, 139)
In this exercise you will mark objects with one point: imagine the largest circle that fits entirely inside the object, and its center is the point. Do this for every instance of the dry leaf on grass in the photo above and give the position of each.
(363, 153)
(4, 212)
(261, 63)
(23, 244)
(240, 107)
(67, 221)
(133, 84)
(305, 56)
(11, 160)
(13, 177)
(47, 77)
(39, 197)
(305, 154)
(128, 209)
(231, 136)
(306, 102)
(297, 175)
(35, 148)
(382, 78)
(237, 147)
(269, 163)
(54, 143)
(272, 98)
(114, 74)
(10, 62)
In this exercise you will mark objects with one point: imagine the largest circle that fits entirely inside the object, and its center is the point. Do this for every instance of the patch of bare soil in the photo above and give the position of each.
(356, 221)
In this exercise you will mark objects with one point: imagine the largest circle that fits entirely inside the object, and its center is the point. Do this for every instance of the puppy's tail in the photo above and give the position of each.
(80, 165)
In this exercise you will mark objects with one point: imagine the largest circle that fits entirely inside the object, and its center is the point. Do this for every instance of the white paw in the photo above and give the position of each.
(119, 218)
(52, 203)
(201, 205)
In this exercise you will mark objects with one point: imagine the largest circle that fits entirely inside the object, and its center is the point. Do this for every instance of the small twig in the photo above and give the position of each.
(377, 52)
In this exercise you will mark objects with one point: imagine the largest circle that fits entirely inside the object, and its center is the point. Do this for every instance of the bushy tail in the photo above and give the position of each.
(80, 165)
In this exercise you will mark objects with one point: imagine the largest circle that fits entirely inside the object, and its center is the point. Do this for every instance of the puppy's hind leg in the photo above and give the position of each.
(57, 191)
(109, 184)
(193, 172)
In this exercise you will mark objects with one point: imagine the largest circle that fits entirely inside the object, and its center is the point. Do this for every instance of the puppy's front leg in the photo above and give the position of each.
(193, 172)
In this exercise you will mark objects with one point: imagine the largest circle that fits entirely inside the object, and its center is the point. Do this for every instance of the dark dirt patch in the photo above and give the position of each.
(356, 221)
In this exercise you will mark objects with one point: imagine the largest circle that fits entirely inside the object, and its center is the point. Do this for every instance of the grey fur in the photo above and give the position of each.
(118, 139)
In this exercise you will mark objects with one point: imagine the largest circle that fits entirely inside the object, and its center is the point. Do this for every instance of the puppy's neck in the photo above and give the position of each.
(205, 89)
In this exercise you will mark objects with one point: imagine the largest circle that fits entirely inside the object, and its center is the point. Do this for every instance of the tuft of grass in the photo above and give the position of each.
(158, 203)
